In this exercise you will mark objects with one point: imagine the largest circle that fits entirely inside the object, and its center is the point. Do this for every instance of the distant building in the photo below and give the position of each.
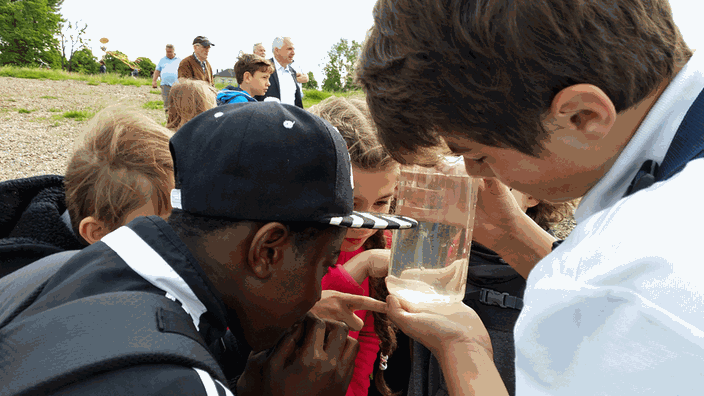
(226, 76)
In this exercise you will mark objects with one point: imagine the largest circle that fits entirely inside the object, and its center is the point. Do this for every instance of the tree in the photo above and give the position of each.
(339, 71)
(71, 40)
(146, 67)
(311, 84)
(27, 31)
(117, 62)
(83, 61)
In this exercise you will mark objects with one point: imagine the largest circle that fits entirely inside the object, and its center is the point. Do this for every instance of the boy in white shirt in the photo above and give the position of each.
(561, 100)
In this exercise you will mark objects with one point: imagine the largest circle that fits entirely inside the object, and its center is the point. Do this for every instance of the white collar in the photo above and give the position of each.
(278, 65)
(651, 140)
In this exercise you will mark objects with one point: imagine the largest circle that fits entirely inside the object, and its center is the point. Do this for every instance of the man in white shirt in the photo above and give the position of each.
(283, 81)
(563, 100)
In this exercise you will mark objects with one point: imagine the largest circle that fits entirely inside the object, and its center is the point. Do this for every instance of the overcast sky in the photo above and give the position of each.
(143, 28)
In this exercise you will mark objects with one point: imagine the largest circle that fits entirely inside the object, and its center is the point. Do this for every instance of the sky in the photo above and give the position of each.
(143, 28)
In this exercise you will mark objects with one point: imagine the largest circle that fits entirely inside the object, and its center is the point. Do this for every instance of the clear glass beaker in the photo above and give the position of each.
(429, 263)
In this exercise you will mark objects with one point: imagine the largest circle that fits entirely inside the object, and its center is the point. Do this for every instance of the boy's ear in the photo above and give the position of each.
(267, 249)
(584, 108)
(530, 201)
(246, 77)
(92, 229)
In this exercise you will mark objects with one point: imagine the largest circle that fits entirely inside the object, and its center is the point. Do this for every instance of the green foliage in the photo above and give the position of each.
(316, 95)
(117, 62)
(35, 73)
(312, 97)
(83, 61)
(78, 115)
(311, 84)
(52, 57)
(54, 110)
(48, 97)
(146, 67)
(24, 111)
(27, 30)
(155, 92)
(339, 71)
(154, 105)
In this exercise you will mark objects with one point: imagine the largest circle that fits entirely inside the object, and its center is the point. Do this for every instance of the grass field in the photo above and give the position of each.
(60, 75)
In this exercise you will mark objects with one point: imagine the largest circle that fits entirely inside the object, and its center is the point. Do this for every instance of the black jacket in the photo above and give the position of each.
(487, 270)
(274, 89)
(31, 223)
(145, 256)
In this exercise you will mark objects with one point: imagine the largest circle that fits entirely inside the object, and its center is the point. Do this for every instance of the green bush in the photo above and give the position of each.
(311, 84)
(83, 61)
(115, 63)
(316, 95)
(146, 67)
(24, 111)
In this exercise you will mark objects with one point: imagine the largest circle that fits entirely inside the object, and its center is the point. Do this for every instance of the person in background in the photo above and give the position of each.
(187, 99)
(167, 70)
(252, 73)
(103, 69)
(259, 49)
(120, 168)
(283, 83)
(196, 65)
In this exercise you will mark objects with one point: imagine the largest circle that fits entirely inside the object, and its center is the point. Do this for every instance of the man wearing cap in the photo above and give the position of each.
(239, 262)
(196, 66)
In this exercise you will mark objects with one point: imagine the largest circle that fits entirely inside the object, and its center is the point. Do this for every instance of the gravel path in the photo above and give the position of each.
(40, 142)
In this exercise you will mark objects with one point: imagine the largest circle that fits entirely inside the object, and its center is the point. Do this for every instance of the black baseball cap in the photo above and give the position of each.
(202, 40)
(268, 161)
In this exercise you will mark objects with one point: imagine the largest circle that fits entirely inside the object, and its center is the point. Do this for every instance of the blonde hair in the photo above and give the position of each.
(352, 119)
(119, 163)
(187, 99)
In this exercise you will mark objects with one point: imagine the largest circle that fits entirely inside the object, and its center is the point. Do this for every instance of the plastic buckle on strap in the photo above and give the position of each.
(492, 297)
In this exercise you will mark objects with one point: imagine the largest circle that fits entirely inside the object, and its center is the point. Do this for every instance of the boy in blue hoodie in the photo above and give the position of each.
(252, 73)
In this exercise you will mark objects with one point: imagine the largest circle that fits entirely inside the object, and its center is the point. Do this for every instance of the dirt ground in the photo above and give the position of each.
(40, 142)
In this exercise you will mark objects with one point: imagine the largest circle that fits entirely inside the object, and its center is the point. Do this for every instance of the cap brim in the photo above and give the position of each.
(374, 220)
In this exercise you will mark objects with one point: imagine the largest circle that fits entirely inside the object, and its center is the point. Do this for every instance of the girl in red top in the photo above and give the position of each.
(375, 178)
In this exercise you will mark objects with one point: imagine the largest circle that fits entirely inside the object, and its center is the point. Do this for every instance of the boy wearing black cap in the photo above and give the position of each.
(245, 248)
(196, 66)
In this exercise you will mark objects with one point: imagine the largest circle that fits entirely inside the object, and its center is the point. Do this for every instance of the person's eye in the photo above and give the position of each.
(382, 203)
(478, 160)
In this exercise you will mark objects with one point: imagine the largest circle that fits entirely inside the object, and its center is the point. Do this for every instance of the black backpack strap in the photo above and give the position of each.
(493, 297)
(687, 145)
(68, 343)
